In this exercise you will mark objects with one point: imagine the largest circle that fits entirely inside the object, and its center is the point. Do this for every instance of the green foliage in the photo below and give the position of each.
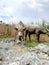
(48, 26)
(47, 43)
(43, 23)
(32, 43)
(48, 54)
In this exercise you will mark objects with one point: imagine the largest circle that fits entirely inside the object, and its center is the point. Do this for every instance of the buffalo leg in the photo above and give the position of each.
(23, 37)
(26, 34)
(38, 37)
(29, 36)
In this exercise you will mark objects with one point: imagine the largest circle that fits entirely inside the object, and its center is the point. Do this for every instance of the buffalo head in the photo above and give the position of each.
(20, 28)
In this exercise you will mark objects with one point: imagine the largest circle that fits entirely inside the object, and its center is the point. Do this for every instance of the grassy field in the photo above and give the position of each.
(43, 39)
(7, 31)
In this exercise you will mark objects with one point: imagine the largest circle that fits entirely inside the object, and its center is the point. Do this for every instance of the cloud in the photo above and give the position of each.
(14, 6)
(37, 4)
(8, 10)
(23, 9)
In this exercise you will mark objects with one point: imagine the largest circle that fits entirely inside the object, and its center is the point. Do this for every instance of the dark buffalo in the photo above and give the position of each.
(36, 30)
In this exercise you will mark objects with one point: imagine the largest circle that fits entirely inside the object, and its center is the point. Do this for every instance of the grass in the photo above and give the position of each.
(43, 39)
(5, 37)
(47, 43)
(31, 43)
(34, 43)
(48, 54)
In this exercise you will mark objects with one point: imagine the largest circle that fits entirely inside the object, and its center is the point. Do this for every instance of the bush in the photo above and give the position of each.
(48, 26)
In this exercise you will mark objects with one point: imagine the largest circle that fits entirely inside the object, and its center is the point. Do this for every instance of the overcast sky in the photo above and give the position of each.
(25, 10)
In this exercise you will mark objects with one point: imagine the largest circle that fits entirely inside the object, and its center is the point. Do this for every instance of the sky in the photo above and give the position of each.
(28, 11)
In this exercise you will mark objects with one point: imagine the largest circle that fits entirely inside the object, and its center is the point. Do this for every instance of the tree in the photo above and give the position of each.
(44, 23)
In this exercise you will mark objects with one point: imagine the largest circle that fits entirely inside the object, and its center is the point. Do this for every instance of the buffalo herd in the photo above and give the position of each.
(28, 30)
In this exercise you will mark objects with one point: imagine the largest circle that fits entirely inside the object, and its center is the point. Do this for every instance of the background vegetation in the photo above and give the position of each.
(7, 31)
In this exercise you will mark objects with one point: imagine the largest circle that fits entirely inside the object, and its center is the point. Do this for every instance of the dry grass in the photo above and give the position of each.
(43, 38)
(7, 31)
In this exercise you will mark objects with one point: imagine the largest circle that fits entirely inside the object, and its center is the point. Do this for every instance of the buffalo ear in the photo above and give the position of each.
(16, 28)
